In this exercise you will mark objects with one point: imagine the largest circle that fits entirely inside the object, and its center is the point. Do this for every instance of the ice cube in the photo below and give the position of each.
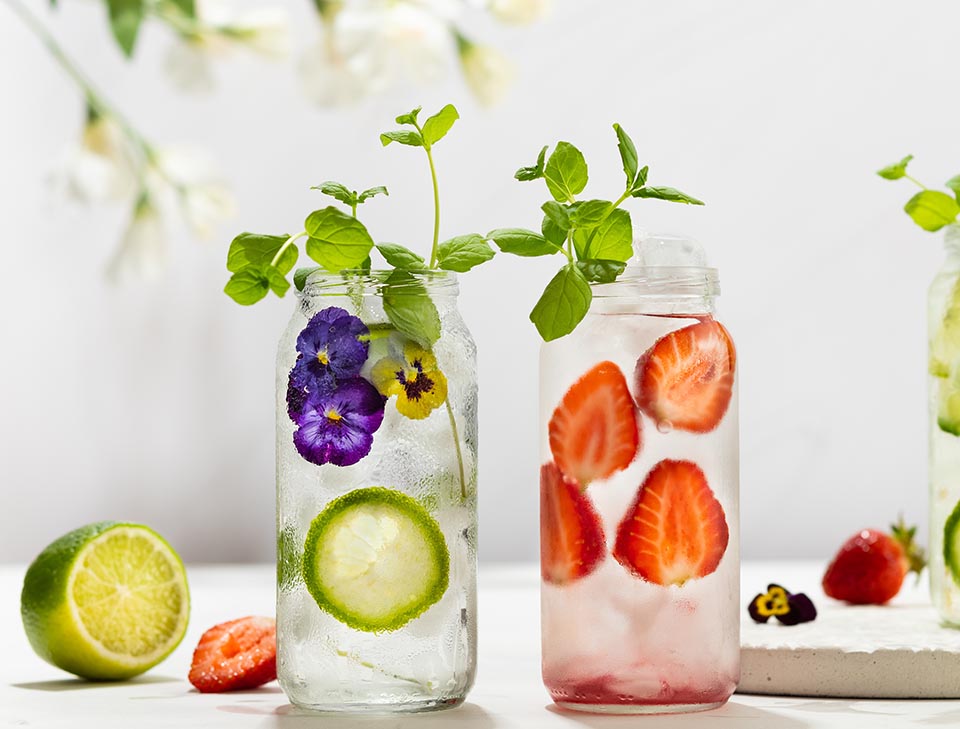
(665, 249)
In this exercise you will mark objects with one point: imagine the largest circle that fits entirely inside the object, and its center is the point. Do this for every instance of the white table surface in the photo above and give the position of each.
(508, 692)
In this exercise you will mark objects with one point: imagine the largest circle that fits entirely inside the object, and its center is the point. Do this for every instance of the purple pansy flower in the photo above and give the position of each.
(330, 350)
(337, 426)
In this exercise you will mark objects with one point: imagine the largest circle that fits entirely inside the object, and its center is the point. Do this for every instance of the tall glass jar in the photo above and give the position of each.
(376, 495)
(943, 313)
(639, 499)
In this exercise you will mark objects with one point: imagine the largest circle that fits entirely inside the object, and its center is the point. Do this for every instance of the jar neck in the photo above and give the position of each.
(659, 290)
(440, 286)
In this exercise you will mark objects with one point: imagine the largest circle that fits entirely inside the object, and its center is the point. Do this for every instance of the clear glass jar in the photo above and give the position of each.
(376, 497)
(639, 500)
(943, 326)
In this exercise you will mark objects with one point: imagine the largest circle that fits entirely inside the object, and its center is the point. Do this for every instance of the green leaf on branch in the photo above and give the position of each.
(257, 251)
(628, 155)
(932, 210)
(897, 170)
(666, 193)
(338, 192)
(411, 139)
(641, 177)
(563, 304)
(370, 192)
(277, 281)
(436, 127)
(612, 240)
(409, 308)
(553, 232)
(337, 241)
(399, 256)
(558, 214)
(525, 174)
(410, 117)
(589, 213)
(247, 287)
(187, 7)
(954, 184)
(301, 275)
(565, 172)
(600, 271)
(126, 16)
(521, 242)
(464, 252)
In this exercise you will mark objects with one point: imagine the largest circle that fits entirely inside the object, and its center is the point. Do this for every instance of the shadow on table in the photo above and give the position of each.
(729, 715)
(467, 716)
(80, 684)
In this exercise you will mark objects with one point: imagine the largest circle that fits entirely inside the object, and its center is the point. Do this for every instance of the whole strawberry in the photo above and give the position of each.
(870, 567)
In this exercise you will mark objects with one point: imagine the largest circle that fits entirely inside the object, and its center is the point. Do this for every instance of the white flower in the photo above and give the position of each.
(206, 206)
(142, 253)
(519, 12)
(487, 71)
(102, 166)
(265, 31)
(188, 65)
(204, 200)
(327, 77)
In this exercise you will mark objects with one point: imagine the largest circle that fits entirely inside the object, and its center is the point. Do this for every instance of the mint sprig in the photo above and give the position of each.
(594, 235)
(930, 209)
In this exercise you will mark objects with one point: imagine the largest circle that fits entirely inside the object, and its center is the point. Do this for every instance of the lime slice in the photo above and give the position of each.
(951, 543)
(106, 601)
(945, 345)
(375, 559)
(948, 407)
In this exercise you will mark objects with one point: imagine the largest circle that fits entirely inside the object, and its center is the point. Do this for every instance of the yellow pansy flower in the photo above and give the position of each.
(414, 378)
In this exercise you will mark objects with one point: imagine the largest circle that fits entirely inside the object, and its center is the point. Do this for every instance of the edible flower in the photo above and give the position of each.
(331, 348)
(337, 426)
(413, 376)
(778, 602)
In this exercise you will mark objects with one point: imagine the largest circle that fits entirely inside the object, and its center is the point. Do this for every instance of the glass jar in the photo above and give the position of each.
(639, 499)
(943, 326)
(376, 495)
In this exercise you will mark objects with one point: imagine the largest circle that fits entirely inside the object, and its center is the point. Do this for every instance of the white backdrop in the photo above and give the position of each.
(156, 403)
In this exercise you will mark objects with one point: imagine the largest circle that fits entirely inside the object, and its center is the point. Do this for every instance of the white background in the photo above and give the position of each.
(156, 403)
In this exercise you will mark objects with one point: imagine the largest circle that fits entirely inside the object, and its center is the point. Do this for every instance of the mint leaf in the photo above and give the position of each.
(628, 155)
(337, 191)
(464, 252)
(525, 174)
(410, 310)
(600, 271)
(256, 250)
(559, 214)
(337, 241)
(370, 192)
(932, 210)
(125, 19)
(436, 127)
(563, 304)
(521, 242)
(553, 232)
(410, 117)
(641, 177)
(247, 287)
(566, 172)
(400, 257)
(187, 7)
(897, 170)
(954, 184)
(666, 193)
(411, 139)
(612, 240)
(301, 275)
(277, 281)
(589, 213)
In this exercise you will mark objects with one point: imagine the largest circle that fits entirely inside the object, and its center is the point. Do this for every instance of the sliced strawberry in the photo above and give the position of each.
(675, 530)
(240, 654)
(685, 380)
(595, 432)
(571, 537)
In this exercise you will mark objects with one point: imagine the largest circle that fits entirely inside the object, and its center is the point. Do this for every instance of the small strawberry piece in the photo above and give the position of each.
(676, 529)
(685, 380)
(595, 432)
(241, 654)
(571, 537)
(870, 567)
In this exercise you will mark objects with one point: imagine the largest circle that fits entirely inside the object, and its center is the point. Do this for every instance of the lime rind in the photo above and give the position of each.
(945, 344)
(397, 601)
(951, 543)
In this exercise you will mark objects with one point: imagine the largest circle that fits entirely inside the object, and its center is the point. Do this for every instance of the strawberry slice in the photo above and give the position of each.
(241, 654)
(571, 537)
(595, 432)
(675, 530)
(685, 380)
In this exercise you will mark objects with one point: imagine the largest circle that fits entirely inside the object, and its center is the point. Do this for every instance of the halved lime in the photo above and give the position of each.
(375, 559)
(951, 543)
(106, 601)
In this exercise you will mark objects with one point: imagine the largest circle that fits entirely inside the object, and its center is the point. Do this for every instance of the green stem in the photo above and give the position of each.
(353, 209)
(286, 244)
(915, 181)
(456, 443)
(436, 199)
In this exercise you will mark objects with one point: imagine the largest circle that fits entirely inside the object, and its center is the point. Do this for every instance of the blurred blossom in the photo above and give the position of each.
(143, 252)
(519, 12)
(487, 71)
(206, 206)
(327, 77)
(188, 65)
(101, 167)
(205, 200)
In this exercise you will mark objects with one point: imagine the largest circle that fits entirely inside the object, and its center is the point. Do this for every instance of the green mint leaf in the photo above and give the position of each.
(612, 240)
(932, 210)
(400, 257)
(954, 184)
(411, 139)
(370, 192)
(247, 286)
(666, 193)
(436, 127)
(563, 304)
(628, 155)
(641, 177)
(366, 265)
(558, 214)
(553, 232)
(525, 174)
(897, 170)
(277, 281)
(464, 252)
(337, 241)
(521, 242)
(410, 310)
(410, 117)
(257, 251)
(126, 17)
(187, 7)
(301, 275)
(565, 172)
(600, 271)
(589, 213)
(338, 192)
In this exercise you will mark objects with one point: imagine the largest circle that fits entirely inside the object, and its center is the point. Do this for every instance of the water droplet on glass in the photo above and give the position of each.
(664, 426)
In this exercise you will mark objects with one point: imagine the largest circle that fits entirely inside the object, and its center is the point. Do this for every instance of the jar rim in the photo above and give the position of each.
(328, 283)
(638, 280)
